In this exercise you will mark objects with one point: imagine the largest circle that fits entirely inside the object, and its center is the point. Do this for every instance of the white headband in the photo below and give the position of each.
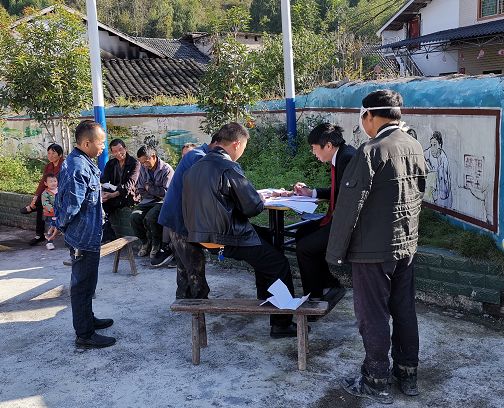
(363, 110)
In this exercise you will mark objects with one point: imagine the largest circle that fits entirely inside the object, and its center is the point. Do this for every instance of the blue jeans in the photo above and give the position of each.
(82, 287)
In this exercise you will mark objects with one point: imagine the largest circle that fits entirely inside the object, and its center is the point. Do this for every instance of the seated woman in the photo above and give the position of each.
(118, 184)
(55, 157)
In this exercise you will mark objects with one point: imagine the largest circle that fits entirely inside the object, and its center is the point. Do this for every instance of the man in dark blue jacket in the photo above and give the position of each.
(217, 202)
(191, 280)
(78, 210)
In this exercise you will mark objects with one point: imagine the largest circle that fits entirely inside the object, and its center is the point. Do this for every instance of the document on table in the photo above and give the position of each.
(282, 298)
(300, 205)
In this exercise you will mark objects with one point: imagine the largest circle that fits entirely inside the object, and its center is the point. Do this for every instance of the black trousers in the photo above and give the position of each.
(311, 246)
(191, 279)
(40, 222)
(269, 265)
(381, 291)
(82, 287)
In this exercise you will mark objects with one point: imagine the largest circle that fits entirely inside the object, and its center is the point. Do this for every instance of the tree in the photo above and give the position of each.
(230, 86)
(45, 68)
(266, 16)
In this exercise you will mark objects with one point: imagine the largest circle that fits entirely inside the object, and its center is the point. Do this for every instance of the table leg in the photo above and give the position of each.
(196, 339)
(277, 227)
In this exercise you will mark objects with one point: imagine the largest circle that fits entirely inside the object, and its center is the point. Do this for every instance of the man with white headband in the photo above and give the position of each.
(375, 228)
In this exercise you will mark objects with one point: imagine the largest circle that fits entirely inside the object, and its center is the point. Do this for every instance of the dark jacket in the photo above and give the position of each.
(376, 215)
(124, 179)
(343, 157)
(78, 205)
(218, 200)
(171, 212)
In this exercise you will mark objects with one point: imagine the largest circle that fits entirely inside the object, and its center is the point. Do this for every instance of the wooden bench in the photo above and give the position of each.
(116, 246)
(198, 308)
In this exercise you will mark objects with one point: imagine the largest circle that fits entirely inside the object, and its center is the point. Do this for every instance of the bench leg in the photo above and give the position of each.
(196, 338)
(302, 330)
(116, 261)
(131, 257)
(305, 318)
(203, 332)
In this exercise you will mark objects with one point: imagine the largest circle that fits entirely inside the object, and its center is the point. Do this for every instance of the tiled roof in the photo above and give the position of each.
(145, 78)
(178, 49)
(462, 33)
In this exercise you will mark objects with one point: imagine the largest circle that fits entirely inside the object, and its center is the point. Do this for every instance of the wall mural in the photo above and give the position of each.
(461, 148)
(462, 152)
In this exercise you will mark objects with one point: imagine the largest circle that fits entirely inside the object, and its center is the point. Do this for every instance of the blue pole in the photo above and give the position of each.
(290, 93)
(96, 75)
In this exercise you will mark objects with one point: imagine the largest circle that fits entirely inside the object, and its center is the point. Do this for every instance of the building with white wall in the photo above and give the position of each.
(442, 37)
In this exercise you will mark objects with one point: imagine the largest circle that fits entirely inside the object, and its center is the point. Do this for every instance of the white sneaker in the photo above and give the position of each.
(49, 245)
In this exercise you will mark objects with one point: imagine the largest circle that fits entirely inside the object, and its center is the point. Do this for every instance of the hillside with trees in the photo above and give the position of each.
(173, 18)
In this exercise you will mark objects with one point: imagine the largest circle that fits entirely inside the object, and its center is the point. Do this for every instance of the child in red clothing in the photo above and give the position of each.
(47, 198)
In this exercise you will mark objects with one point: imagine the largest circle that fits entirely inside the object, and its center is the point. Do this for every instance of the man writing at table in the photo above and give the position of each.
(217, 202)
(327, 145)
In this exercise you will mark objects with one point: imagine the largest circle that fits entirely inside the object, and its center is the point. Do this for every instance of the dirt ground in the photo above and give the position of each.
(462, 358)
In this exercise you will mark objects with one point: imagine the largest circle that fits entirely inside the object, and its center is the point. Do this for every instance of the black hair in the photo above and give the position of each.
(438, 136)
(86, 130)
(56, 148)
(117, 142)
(49, 175)
(412, 133)
(326, 132)
(146, 151)
(230, 133)
(384, 97)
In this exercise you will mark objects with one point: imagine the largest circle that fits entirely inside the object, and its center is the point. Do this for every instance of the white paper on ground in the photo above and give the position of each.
(282, 298)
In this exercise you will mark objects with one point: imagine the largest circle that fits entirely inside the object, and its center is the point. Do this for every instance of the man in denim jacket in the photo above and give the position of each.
(78, 211)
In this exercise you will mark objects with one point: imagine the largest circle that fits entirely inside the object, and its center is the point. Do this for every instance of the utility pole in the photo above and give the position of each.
(96, 75)
(290, 93)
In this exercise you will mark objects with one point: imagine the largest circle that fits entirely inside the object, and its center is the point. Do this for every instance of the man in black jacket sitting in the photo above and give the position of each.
(218, 200)
(119, 184)
(327, 145)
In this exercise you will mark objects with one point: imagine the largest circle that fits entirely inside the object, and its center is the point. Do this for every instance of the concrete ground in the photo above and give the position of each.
(462, 359)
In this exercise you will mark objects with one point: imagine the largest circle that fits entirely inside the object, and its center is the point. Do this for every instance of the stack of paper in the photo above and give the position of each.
(297, 203)
(282, 298)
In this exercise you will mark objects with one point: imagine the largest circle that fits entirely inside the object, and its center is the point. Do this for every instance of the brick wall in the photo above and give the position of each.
(10, 203)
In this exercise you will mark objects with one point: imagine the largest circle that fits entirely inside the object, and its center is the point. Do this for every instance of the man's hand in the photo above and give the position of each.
(107, 195)
(302, 190)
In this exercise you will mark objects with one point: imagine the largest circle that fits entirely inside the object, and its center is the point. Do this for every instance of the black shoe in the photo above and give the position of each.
(358, 387)
(162, 257)
(279, 332)
(406, 379)
(333, 296)
(95, 341)
(102, 323)
(38, 239)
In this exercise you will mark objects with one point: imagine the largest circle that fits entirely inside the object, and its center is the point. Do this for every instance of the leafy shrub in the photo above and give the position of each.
(19, 175)
(269, 162)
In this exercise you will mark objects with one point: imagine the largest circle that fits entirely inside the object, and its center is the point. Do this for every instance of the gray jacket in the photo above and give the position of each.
(378, 206)
(157, 183)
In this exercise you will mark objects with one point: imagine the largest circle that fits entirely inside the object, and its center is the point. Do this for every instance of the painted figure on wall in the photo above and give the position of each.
(438, 179)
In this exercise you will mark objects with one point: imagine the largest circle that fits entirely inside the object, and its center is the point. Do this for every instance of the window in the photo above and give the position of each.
(491, 7)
